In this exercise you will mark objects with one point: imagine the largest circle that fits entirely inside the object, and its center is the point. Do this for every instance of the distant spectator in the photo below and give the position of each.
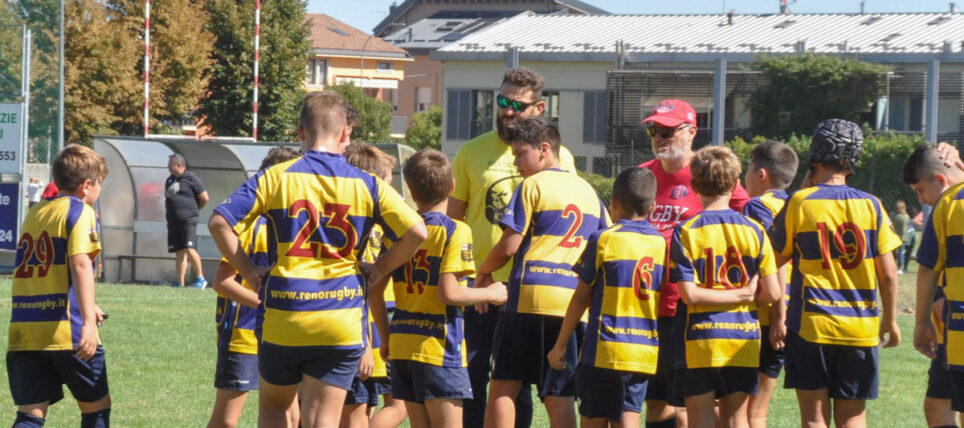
(50, 191)
(35, 190)
(184, 196)
(901, 221)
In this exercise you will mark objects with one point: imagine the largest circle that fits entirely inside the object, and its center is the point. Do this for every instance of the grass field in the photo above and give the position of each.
(160, 354)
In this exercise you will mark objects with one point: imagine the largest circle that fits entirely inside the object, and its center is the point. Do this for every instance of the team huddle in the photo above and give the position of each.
(333, 291)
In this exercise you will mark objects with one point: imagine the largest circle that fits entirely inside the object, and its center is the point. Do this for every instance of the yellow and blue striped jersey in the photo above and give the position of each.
(370, 251)
(319, 207)
(555, 212)
(45, 314)
(942, 250)
(833, 233)
(720, 250)
(625, 265)
(423, 328)
(237, 324)
(764, 209)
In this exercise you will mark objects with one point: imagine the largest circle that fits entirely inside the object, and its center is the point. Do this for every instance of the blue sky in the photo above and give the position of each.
(366, 13)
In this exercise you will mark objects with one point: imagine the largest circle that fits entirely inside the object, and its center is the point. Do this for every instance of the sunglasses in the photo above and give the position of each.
(664, 132)
(518, 106)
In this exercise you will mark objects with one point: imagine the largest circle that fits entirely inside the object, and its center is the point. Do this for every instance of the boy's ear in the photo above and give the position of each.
(762, 174)
(545, 147)
(942, 180)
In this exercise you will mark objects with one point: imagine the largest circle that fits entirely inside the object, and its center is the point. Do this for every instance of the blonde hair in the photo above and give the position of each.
(716, 170)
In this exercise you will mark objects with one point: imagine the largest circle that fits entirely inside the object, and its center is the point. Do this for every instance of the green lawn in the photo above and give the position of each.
(160, 354)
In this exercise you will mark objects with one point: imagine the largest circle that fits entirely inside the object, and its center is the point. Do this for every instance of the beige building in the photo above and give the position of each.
(422, 26)
(341, 53)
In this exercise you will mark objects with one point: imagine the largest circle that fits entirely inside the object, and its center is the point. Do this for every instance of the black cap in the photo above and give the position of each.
(835, 140)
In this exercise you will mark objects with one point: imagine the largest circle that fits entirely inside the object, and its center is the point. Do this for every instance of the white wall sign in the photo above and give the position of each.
(11, 127)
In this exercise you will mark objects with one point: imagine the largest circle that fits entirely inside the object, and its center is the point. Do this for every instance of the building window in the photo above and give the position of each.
(483, 115)
(384, 66)
(423, 98)
(552, 105)
(316, 72)
(594, 116)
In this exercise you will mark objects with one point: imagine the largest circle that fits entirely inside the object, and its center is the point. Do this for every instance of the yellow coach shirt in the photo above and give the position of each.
(319, 207)
(45, 314)
(485, 177)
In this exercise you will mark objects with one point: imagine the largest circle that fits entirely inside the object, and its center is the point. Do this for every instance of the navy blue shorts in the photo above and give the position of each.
(847, 372)
(367, 391)
(771, 360)
(236, 371)
(605, 393)
(723, 380)
(284, 365)
(417, 382)
(39, 376)
(661, 383)
(957, 390)
(520, 347)
(938, 378)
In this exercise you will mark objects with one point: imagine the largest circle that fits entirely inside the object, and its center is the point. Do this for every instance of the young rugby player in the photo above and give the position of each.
(315, 326)
(714, 257)
(362, 400)
(841, 242)
(620, 274)
(427, 345)
(943, 187)
(237, 319)
(53, 337)
(771, 168)
(547, 224)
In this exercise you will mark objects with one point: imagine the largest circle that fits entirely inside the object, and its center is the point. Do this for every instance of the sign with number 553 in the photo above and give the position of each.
(11, 125)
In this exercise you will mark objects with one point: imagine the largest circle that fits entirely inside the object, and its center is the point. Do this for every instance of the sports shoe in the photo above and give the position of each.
(200, 283)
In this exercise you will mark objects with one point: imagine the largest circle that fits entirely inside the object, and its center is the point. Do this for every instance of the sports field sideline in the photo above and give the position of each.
(161, 351)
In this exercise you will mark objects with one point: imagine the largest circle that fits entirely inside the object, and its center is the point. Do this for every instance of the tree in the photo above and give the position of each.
(284, 54)
(376, 116)
(180, 54)
(425, 132)
(802, 90)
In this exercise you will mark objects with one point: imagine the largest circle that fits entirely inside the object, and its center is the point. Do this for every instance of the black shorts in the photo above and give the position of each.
(235, 371)
(723, 380)
(938, 378)
(181, 236)
(39, 376)
(417, 382)
(662, 382)
(605, 393)
(285, 365)
(520, 347)
(367, 391)
(771, 360)
(847, 372)
(957, 390)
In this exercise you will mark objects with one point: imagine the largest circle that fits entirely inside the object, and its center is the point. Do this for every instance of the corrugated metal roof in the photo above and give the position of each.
(890, 33)
(398, 9)
(433, 33)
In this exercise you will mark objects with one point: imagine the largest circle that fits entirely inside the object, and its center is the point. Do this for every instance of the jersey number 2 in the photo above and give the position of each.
(337, 219)
(571, 240)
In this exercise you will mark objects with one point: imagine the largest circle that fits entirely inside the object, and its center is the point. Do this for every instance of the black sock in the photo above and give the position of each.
(99, 419)
(668, 423)
(27, 421)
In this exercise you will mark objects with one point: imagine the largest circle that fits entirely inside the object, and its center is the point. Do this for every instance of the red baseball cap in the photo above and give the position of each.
(672, 113)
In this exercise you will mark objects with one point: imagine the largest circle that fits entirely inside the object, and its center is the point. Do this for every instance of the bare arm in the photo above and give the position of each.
(577, 306)
(770, 290)
(694, 295)
(230, 247)
(778, 313)
(503, 251)
(82, 274)
(780, 259)
(450, 292)
(925, 334)
(887, 278)
(457, 208)
(202, 199)
(376, 302)
(400, 252)
(225, 284)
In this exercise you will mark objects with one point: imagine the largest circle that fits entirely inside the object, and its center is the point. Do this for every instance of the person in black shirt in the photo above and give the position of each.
(184, 196)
